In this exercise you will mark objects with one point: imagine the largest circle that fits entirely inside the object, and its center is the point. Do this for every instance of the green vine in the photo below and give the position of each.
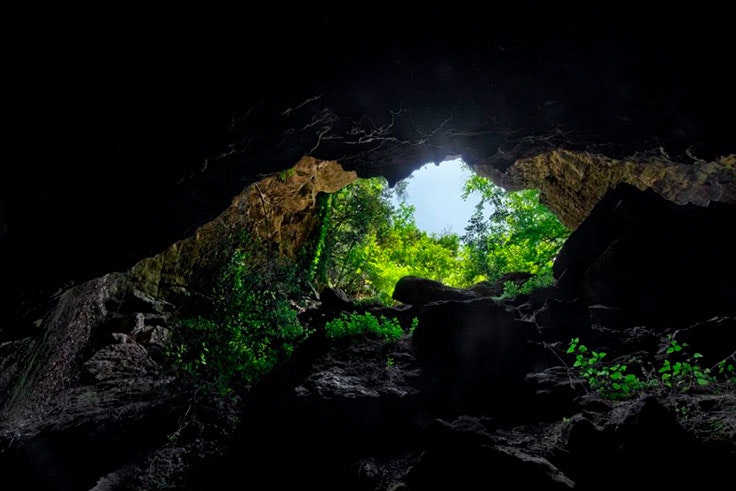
(323, 214)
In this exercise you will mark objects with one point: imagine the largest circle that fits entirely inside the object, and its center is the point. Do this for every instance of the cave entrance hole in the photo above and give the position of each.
(443, 223)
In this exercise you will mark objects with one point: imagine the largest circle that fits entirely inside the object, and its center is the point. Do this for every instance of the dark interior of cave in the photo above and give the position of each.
(115, 122)
(131, 132)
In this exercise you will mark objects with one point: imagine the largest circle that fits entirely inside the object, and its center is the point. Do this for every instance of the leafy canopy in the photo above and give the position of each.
(520, 234)
(369, 243)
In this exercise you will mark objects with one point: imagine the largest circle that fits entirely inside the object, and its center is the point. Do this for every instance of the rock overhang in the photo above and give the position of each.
(146, 140)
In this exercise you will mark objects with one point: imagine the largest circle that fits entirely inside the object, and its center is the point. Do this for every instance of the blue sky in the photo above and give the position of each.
(435, 190)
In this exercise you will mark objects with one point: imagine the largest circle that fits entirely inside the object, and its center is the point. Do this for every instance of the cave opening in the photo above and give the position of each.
(436, 191)
(444, 223)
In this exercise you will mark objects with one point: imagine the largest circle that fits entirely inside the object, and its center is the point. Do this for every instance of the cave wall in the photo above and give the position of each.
(571, 183)
(129, 136)
(279, 209)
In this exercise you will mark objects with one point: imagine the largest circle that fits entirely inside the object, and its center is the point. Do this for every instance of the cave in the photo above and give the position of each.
(140, 146)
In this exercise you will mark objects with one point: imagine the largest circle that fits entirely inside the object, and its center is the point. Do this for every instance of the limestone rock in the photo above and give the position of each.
(279, 209)
(571, 183)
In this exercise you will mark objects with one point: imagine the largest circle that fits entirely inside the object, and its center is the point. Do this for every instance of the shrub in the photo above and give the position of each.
(253, 325)
(353, 324)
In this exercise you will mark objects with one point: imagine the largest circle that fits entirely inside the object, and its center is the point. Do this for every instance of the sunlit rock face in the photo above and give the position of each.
(571, 183)
(279, 208)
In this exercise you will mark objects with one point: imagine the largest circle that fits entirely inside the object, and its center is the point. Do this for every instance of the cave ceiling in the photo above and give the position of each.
(128, 136)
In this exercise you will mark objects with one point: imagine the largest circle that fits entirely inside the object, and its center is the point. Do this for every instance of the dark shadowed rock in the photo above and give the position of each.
(611, 317)
(334, 299)
(421, 291)
(555, 389)
(714, 339)
(495, 288)
(82, 386)
(478, 353)
(562, 320)
(664, 263)
(461, 454)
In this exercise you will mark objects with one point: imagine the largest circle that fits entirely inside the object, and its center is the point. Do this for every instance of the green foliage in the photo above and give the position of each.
(354, 214)
(520, 235)
(611, 381)
(414, 325)
(678, 371)
(685, 372)
(253, 324)
(284, 175)
(541, 280)
(315, 253)
(405, 250)
(727, 368)
(353, 324)
(368, 244)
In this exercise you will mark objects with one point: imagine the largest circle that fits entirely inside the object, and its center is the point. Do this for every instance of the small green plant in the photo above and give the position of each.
(611, 381)
(727, 368)
(678, 371)
(414, 324)
(541, 280)
(354, 324)
(390, 362)
(286, 174)
(683, 374)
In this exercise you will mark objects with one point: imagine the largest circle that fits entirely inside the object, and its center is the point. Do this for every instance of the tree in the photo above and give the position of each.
(520, 234)
(405, 250)
(354, 214)
(369, 244)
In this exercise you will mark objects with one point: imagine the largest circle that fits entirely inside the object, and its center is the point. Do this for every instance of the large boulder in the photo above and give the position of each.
(664, 263)
(414, 290)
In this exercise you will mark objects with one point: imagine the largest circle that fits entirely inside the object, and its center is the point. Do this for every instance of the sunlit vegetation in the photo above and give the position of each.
(520, 235)
(353, 324)
(369, 244)
(252, 324)
(363, 246)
